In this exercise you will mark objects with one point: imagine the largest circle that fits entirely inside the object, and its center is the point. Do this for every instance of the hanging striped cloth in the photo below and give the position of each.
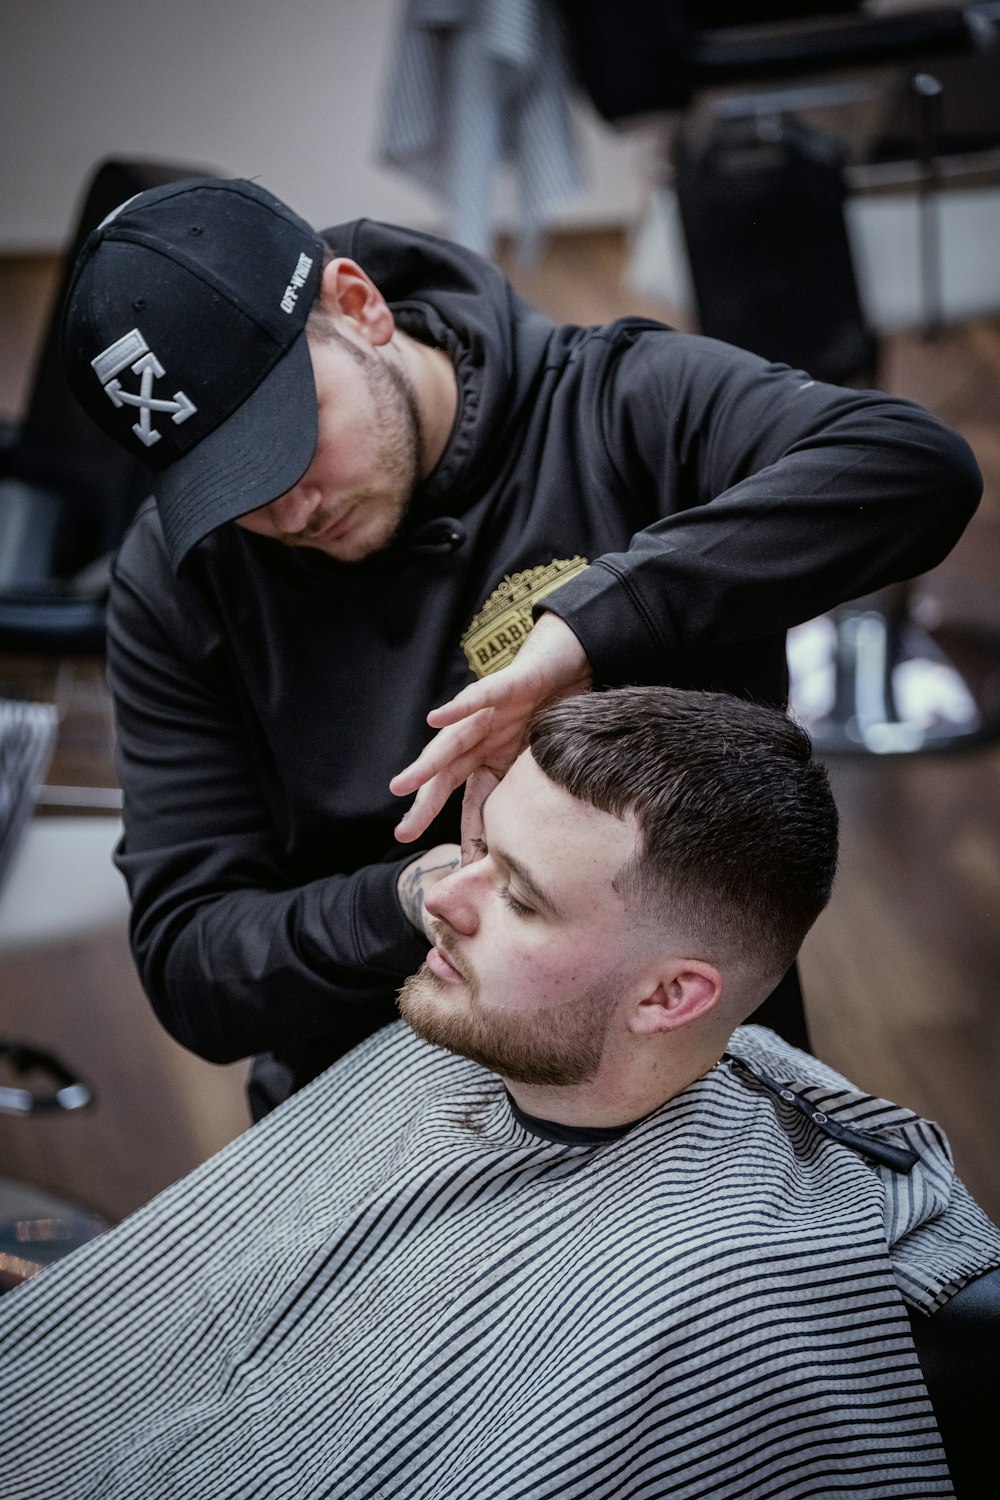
(476, 85)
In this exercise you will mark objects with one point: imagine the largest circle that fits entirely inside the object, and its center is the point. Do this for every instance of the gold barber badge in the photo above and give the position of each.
(503, 624)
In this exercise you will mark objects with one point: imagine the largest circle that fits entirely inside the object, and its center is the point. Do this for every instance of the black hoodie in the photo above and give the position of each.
(266, 696)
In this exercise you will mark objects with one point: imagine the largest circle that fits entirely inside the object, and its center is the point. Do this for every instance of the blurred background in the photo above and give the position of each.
(838, 168)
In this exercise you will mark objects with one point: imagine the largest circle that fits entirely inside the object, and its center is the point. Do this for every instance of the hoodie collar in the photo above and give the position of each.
(450, 297)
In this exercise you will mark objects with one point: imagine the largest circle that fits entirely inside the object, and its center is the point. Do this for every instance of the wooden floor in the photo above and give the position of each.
(901, 973)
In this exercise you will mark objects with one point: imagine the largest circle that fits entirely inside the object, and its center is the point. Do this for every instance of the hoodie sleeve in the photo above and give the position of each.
(236, 957)
(779, 498)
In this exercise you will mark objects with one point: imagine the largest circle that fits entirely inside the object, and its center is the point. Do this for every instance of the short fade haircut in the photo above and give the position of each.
(736, 821)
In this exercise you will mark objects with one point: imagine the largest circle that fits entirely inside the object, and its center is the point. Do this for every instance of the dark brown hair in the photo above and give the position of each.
(737, 823)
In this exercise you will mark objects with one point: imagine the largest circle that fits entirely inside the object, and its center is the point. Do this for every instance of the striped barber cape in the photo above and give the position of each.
(392, 1287)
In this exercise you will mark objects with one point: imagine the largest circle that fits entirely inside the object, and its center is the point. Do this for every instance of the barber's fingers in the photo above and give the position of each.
(478, 787)
(475, 698)
(535, 674)
(443, 753)
(425, 807)
(434, 793)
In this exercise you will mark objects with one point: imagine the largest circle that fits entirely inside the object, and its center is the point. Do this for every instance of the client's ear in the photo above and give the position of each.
(685, 989)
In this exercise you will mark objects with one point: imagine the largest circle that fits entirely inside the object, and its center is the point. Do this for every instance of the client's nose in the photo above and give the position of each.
(453, 900)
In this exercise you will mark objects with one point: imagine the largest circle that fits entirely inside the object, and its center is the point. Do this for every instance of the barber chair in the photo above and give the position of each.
(67, 492)
(760, 194)
(36, 1227)
(959, 1351)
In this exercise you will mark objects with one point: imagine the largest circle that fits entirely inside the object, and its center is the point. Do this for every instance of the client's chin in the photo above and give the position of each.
(561, 1048)
(424, 1005)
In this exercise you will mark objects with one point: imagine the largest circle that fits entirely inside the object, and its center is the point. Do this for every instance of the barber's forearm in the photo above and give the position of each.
(779, 497)
(419, 877)
(770, 553)
(255, 971)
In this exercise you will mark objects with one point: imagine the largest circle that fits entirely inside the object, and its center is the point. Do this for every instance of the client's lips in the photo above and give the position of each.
(441, 965)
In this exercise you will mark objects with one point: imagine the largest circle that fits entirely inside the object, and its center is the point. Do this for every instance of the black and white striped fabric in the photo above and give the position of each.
(392, 1288)
(27, 739)
(476, 85)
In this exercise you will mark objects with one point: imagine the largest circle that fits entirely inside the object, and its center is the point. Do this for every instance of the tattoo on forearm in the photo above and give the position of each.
(411, 888)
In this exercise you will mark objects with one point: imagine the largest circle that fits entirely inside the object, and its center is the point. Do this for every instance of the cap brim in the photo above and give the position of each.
(257, 454)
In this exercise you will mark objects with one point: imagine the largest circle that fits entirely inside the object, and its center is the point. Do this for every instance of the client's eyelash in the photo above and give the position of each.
(517, 907)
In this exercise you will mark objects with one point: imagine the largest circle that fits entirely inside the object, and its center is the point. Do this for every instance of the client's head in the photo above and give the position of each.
(650, 867)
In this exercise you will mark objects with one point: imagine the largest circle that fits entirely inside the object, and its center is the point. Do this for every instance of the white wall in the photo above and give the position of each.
(288, 91)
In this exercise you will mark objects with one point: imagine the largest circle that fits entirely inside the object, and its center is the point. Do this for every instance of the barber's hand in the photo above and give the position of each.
(416, 878)
(483, 729)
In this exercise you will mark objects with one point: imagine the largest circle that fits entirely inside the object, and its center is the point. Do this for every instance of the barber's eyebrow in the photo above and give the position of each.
(524, 878)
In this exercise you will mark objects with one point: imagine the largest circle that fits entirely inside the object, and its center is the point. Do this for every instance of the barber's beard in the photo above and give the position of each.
(399, 424)
(382, 507)
(558, 1047)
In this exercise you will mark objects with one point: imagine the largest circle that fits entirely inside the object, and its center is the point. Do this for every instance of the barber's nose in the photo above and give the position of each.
(291, 512)
(455, 899)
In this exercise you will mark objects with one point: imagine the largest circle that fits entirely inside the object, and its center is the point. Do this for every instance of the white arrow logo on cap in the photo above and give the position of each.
(132, 352)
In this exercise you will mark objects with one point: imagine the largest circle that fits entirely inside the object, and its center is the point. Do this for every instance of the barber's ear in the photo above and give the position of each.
(686, 990)
(348, 292)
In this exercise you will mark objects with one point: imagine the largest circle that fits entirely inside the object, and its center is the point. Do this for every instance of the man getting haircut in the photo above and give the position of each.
(620, 1245)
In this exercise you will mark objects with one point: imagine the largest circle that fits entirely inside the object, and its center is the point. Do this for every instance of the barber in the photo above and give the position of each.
(374, 467)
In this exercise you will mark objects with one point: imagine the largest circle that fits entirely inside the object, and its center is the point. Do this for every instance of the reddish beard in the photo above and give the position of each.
(560, 1046)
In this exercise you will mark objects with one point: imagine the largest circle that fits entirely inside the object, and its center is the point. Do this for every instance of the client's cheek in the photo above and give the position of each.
(528, 986)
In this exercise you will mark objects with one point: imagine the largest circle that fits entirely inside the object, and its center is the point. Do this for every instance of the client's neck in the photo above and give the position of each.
(625, 1088)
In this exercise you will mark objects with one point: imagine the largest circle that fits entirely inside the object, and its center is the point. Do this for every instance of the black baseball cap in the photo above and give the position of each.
(184, 339)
